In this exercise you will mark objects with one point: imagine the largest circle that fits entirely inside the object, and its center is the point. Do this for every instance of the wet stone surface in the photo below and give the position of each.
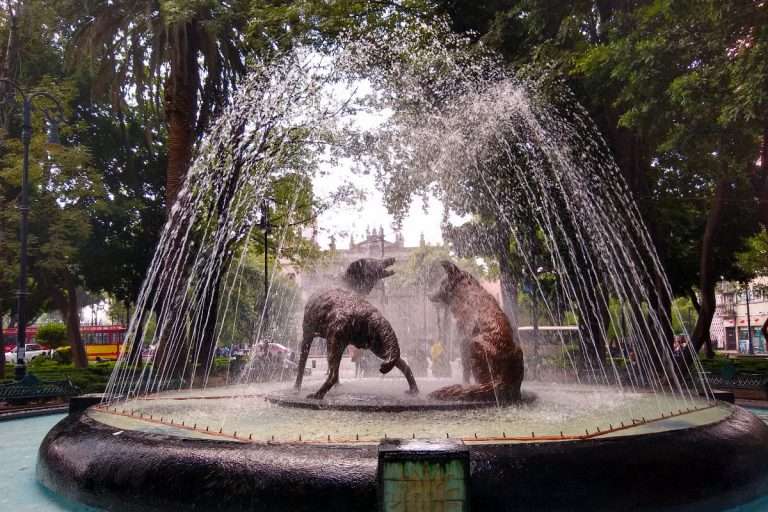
(361, 401)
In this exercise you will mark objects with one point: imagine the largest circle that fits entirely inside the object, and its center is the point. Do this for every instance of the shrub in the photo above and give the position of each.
(742, 365)
(63, 355)
(54, 335)
(220, 366)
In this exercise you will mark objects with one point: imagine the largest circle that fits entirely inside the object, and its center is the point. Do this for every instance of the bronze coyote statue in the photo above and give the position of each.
(496, 359)
(343, 317)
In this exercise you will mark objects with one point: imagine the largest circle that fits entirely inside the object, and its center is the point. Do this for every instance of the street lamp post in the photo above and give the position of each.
(28, 98)
(751, 346)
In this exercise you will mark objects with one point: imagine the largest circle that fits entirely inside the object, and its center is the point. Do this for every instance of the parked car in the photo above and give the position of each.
(31, 351)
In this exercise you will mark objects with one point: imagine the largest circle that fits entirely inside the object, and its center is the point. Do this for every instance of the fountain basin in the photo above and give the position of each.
(363, 410)
(709, 459)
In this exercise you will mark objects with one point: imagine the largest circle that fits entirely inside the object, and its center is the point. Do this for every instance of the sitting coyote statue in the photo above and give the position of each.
(343, 317)
(495, 357)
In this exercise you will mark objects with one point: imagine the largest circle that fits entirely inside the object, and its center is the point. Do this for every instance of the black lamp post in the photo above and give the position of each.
(52, 118)
(751, 346)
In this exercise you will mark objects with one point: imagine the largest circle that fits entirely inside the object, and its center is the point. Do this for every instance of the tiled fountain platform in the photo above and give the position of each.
(368, 410)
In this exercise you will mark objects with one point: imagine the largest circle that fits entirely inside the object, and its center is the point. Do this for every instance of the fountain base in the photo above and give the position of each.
(101, 465)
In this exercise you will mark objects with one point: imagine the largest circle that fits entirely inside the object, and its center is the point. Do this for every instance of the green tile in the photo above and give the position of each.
(393, 471)
(414, 470)
(434, 492)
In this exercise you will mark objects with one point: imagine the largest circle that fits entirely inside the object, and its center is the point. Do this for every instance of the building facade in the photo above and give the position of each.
(742, 309)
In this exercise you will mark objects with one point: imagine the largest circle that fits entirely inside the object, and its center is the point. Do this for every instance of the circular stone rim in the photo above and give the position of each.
(99, 465)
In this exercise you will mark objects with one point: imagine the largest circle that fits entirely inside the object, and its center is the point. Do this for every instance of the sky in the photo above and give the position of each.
(372, 213)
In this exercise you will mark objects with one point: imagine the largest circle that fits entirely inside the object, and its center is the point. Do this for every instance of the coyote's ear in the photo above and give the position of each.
(452, 270)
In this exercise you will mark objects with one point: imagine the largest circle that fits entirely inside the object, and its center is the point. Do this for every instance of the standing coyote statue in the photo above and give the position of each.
(343, 317)
(495, 357)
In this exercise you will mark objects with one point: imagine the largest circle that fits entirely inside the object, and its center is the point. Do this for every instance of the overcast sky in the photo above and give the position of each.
(372, 213)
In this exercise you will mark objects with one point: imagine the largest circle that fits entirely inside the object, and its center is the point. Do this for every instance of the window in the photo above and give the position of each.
(758, 342)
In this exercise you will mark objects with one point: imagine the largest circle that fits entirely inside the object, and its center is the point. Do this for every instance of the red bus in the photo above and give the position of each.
(101, 341)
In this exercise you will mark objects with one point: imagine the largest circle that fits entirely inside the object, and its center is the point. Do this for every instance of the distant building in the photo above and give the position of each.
(740, 308)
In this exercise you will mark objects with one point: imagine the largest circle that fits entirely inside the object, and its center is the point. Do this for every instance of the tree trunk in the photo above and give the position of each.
(762, 179)
(181, 89)
(661, 303)
(694, 300)
(180, 106)
(72, 318)
(10, 65)
(137, 344)
(208, 347)
(707, 277)
(764, 329)
(508, 283)
(596, 316)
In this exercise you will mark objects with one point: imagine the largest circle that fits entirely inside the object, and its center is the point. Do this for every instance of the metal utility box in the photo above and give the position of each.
(423, 476)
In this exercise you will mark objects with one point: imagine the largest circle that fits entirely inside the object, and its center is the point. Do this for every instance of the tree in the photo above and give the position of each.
(753, 261)
(26, 55)
(194, 52)
(687, 100)
(191, 53)
(125, 228)
(65, 189)
(54, 335)
(241, 314)
(679, 91)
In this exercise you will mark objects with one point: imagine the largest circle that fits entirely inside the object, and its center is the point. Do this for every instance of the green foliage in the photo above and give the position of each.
(54, 335)
(65, 188)
(422, 268)
(221, 366)
(125, 225)
(742, 365)
(92, 379)
(754, 259)
(127, 47)
(63, 355)
(294, 206)
(282, 24)
(679, 89)
(688, 316)
(241, 313)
